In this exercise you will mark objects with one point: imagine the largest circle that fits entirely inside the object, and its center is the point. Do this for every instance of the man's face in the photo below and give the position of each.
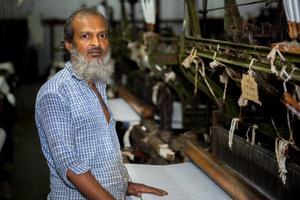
(90, 37)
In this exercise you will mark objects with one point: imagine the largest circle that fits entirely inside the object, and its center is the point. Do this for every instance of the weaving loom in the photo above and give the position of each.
(256, 162)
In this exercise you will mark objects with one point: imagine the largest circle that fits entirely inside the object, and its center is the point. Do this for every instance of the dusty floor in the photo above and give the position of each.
(27, 176)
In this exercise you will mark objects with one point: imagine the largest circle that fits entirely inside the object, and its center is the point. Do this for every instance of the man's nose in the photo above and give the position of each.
(96, 42)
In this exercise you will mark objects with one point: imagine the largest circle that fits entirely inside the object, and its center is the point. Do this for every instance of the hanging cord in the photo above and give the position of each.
(224, 77)
(214, 64)
(291, 103)
(190, 58)
(155, 90)
(170, 76)
(272, 56)
(285, 76)
(187, 62)
(281, 147)
(288, 77)
(202, 73)
(253, 127)
(275, 128)
(196, 78)
(250, 70)
(233, 126)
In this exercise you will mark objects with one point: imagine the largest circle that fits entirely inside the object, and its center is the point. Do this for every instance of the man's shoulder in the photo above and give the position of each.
(56, 84)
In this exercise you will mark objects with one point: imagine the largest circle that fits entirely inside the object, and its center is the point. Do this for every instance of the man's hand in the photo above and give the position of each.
(137, 189)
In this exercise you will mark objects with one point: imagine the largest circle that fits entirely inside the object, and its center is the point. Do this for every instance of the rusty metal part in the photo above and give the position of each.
(146, 136)
(141, 108)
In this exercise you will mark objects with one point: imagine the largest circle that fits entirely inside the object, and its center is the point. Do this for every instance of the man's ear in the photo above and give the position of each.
(69, 45)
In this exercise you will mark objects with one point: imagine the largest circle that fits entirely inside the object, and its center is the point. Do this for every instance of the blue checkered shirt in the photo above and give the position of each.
(75, 135)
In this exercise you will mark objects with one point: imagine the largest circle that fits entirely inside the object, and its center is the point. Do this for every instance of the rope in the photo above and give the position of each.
(275, 128)
(272, 55)
(281, 146)
(286, 77)
(233, 126)
(250, 71)
(190, 58)
(155, 90)
(170, 76)
(253, 127)
(202, 73)
(224, 80)
(196, 79)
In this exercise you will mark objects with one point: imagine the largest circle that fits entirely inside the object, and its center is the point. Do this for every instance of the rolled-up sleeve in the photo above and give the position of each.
(55, 119)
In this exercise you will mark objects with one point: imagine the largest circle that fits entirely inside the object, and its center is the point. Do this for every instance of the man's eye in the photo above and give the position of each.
(103, 35)
(85, 36)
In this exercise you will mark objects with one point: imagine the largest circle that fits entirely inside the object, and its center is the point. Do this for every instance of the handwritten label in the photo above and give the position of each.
(249, 89)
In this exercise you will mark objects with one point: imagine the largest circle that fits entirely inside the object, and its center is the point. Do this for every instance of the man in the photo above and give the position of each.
(76, 127)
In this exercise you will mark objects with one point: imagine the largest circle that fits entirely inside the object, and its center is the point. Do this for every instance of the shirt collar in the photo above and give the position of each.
(71, 70)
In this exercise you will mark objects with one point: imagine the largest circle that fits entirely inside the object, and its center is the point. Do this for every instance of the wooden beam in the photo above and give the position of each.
(226, 178)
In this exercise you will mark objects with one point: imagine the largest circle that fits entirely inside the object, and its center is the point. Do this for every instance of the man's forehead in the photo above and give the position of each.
(87, 19)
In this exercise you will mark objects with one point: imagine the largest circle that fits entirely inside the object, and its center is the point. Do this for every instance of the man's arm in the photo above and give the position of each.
(87, 184)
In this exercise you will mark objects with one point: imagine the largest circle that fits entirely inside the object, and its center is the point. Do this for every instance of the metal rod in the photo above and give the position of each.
(207, 47)
(235, 5)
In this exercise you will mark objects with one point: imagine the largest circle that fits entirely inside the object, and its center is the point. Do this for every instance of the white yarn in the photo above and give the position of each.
(4, 88)
(281, 146)
(190, 58)
(272, 55)
(2, 138)
(170, 76)
(253, 127)
(242, 102)
(233, 126)
(126, 136)
(155, 90)
(149, 10)
(165, 152)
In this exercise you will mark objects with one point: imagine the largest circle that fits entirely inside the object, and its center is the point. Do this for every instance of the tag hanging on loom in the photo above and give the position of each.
(249, 88)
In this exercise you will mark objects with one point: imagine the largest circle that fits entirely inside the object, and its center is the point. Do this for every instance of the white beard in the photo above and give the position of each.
(95, 70)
